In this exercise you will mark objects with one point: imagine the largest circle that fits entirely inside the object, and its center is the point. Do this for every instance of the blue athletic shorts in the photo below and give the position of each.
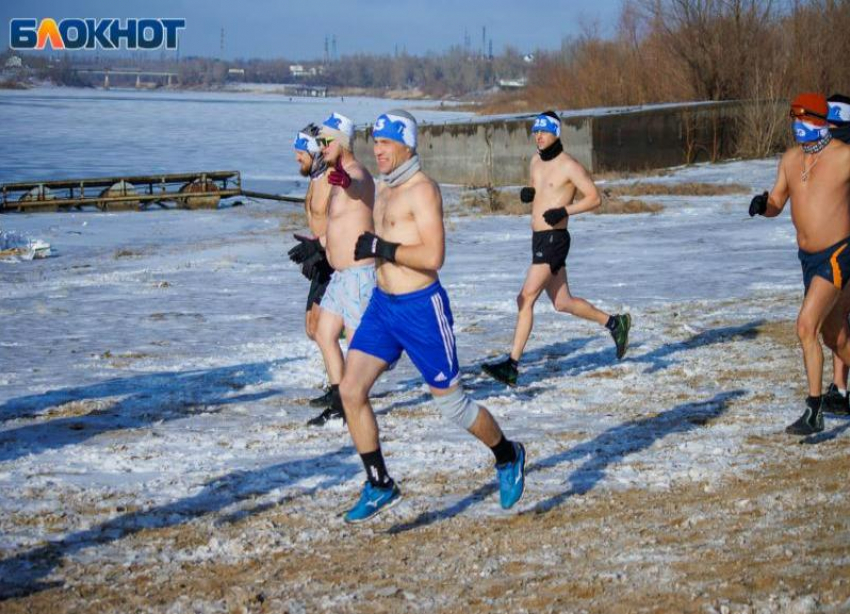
(419, 323)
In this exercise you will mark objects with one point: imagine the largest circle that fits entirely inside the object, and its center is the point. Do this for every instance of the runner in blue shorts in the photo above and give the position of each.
(409, 312)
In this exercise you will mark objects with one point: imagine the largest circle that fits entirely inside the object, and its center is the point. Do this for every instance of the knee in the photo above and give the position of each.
(352, 394)
(457, 407)
(807, 330)
(564, 305)
(524, 300)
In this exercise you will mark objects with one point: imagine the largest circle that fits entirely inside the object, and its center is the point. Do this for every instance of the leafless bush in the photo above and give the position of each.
(492, 200)
(675, 189)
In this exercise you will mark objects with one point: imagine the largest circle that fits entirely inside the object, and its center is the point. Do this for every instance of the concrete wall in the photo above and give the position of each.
(498, 152)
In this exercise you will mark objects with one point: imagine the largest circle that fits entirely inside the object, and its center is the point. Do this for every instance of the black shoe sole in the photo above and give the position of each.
(322, 401)
(320, 421)
(622, 353)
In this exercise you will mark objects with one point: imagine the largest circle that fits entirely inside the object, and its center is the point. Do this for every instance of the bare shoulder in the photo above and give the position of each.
(571, 163)
(422, 186)
(842, 148)
(791, 154)
(359, 171)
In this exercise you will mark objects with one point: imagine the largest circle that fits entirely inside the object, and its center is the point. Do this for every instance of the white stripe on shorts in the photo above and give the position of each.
(445, 328)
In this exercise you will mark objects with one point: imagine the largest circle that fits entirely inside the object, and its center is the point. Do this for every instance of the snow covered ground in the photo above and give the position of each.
(154, 372)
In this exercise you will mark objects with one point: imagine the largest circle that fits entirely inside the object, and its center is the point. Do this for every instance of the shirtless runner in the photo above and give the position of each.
(815, 175)
(351, 285)
(314, 263)
(556, 178)
(835, 399)
(409, 312)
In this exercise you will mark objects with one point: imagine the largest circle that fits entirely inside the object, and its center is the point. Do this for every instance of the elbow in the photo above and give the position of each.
(435, 259)
(596, 201)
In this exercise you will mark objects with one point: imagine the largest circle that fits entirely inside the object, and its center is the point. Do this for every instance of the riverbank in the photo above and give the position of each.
(155, 454)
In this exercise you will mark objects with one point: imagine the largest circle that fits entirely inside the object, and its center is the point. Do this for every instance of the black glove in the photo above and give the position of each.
(554, 216)
(306, 247)
(526, 195)
(311, 266)
(758, 205)
(369, 245)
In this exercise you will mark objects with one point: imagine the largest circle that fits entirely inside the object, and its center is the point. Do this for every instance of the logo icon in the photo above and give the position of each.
(108, 33)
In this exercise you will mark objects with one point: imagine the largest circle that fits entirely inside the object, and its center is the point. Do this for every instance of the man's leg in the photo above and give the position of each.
(558, 290)
(457, 407)
(329, 327)
(619, 325)
(310, 323)
(835, 397)
(380, 491)
(836, 334)
(821, 298)
(327, 337)
(361, 373)
(506, 371)
(817, 305)
(538, 276)
(839, 372)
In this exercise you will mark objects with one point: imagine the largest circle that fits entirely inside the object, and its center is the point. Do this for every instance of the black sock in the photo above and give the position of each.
(611, 324)
(813, 403)
(376, 470)
(336, 400)
(504, 451)
(512, 362)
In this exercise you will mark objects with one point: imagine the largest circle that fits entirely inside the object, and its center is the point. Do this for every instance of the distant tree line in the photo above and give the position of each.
(675, 50)
(452, 73)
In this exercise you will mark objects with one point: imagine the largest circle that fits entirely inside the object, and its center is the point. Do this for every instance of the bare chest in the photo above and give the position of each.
(392, 213)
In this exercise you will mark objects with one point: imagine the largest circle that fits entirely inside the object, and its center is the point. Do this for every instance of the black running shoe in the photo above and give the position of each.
(810, 422)
(327, 416)
(504, 371)
(621, 333)
(322, 401)
(834, 402)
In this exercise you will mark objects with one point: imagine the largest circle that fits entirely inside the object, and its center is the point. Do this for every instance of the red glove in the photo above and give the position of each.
(339, 177)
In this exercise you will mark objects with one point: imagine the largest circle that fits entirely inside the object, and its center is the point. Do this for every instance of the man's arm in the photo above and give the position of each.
(362, 186)
(779, 194)
(582, 180)
(430, 252)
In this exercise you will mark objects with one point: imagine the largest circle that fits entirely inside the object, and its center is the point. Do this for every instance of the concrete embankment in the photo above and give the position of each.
(497, 150)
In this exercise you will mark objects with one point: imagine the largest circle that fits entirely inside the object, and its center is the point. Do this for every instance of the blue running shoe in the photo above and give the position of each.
(512, 478)
(372, 501)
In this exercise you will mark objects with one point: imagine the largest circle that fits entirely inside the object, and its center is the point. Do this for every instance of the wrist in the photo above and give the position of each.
(387, 250)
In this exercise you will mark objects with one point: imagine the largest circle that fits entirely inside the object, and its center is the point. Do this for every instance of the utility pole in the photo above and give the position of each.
(221, 46)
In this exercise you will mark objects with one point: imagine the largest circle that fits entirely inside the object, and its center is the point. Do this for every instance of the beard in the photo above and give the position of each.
(305, 170)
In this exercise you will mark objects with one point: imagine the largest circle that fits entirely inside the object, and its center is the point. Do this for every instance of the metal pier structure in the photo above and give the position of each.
(201, 190)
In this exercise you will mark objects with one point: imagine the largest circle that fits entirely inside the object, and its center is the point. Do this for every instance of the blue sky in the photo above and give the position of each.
(297, 29)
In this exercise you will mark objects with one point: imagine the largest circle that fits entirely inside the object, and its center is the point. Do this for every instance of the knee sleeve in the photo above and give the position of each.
(458, 408)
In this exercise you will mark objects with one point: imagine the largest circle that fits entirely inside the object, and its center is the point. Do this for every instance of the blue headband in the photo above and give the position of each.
(306, 143)
(547, 123)
(396, 128)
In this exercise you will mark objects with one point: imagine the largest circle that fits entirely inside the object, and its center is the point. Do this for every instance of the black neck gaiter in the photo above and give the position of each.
(551, 152)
